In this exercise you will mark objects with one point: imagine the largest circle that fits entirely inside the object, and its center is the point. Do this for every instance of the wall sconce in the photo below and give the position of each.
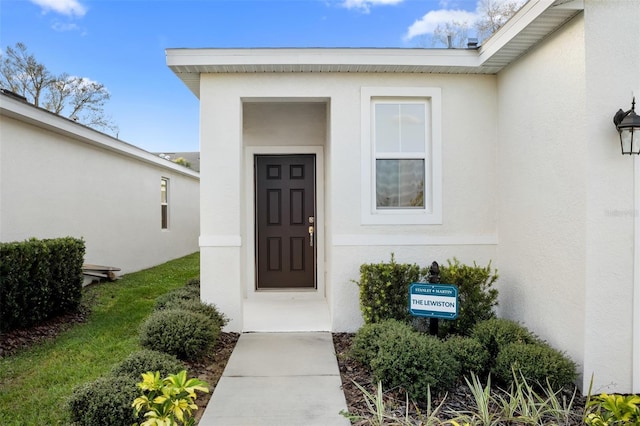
(628, 125)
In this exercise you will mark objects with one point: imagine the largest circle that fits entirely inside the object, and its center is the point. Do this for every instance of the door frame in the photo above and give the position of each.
(249, 261)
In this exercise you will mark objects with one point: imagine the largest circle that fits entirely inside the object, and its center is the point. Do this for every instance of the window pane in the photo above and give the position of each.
(387, 127)
(400, 183)
(412, 127)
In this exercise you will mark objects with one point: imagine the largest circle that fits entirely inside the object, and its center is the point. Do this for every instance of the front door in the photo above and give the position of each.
(285, 222)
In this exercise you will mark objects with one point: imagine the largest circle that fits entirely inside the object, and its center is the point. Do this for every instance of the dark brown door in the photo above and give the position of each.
(285, 221)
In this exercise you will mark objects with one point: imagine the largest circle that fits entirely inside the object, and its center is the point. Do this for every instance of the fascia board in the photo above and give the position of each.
(198, 58)
(524, 17)
(46, 120)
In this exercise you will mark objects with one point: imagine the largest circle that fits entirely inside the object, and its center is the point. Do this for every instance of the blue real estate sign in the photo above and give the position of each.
(433, 300)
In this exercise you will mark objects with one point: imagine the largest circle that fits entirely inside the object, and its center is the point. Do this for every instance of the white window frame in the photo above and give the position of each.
(164, 205)
(432, 212)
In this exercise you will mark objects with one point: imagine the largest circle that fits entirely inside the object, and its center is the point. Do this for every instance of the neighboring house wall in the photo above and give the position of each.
(60, 179)
(542, 189)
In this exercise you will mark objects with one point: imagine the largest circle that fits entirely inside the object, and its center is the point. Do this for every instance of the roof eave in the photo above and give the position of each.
(535, 21)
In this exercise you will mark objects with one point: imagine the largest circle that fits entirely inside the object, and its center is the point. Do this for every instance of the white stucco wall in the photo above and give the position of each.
(612, 75)
(468, 230)
(566, 210)
(61, 179)
(542, 190)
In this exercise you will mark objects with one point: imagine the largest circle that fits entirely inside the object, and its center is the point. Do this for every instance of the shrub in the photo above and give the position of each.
(384, 289)
(193, 282)
(470, 354)
(146, 360)
(105, 401)
(476, 298)
(39, 279)
(537, 362)
(195, 305)
(418, 363)
(496, 333)
(366, 341)
(168, 401)
(181, 293)
(185, 334)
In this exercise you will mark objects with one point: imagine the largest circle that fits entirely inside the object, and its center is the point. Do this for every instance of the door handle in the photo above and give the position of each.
(311, 236)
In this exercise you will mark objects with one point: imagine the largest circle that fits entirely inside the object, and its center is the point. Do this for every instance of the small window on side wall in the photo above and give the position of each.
(164, 203)
(401, 156)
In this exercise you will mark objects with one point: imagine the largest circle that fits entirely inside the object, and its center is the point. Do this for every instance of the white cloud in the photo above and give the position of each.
(63, 27)
(64, 7)
(365, 5)
(431, 20)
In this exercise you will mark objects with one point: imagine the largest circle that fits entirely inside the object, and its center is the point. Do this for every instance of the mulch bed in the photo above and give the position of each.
(458, 399)
(210, 370)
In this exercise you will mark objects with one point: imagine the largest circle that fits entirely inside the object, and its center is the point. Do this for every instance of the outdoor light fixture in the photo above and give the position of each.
(628, 125)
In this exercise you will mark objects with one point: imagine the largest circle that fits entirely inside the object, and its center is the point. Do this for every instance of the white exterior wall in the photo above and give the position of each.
(612, 75)
(61, 179)
(542, 190)
(566, 210)
(468, 230)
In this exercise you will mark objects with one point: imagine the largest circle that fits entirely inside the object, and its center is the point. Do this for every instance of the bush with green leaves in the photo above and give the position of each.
(181, 293)
(414, 362)
(496, 333)
(612, 409)
(195, 305)
(476, 297)
(105, 401)
(145, 360)
(384, 289)
(366, 341)
(470, 354)
(537, 363)
(169, 401)
(185, 334)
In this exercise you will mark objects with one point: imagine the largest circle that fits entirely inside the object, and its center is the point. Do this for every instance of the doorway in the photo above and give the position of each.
(285, 222)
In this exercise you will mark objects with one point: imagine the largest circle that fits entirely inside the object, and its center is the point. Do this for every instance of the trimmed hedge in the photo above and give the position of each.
(195, 305)
(146, 360)
(104, 402)
(185, 334)
(470, 354)
(417, 363)
(384, 290)
(496, 333)
(538, 363)
(476, 297)
(366, 342)
(39, 279)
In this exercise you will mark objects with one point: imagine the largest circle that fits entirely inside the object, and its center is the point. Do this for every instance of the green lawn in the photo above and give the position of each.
(35, 383)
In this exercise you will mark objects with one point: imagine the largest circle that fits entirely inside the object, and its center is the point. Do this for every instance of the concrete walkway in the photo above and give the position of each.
(279, 379)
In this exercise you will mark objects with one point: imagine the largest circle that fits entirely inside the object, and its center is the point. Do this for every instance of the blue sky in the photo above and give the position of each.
(121, 44)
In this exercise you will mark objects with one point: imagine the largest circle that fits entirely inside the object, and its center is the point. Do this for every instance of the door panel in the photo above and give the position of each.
(285, 212)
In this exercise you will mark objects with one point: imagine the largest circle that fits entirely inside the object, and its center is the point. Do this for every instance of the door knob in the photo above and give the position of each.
(311, 236)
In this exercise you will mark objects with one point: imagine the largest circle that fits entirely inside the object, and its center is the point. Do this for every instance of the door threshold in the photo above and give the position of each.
(285, 315)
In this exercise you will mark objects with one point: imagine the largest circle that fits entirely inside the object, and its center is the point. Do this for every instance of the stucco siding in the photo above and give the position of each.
(56, 185)
(613, 74)
(542, 190)
(264, 110)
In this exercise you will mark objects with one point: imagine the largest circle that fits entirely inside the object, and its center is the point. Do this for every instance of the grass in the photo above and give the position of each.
(35, 383)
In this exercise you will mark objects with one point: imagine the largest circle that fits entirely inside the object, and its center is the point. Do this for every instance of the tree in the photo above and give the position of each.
(77, 98)
(492, 15)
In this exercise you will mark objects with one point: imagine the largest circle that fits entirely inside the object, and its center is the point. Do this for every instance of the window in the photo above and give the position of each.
(164, 203)
(401, 156)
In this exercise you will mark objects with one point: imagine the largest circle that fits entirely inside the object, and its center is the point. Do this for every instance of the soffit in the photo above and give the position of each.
(534, 22)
